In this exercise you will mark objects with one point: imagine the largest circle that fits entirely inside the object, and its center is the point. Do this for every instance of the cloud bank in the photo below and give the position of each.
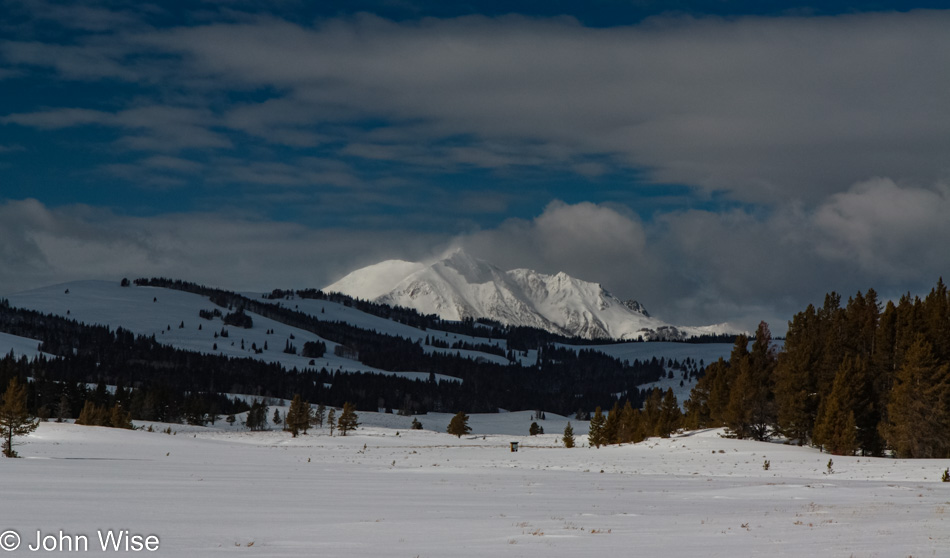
(691, 267)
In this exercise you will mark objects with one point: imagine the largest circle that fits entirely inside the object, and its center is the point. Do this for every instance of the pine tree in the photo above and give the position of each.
(87, 414)
(15, 420)
(458, 426)
(668, 417)
(612, 425)
(348, 419)
(650, 415)
(568, 437)
(319, 415)
(836, 430)
(751, 409)
(796, 381)
(534, 429)
(919, 409)
(595, 433)
(120, 418)
(331, 420)
(708, 397)
(416, 425)
(628, 424)
(62, 409)
(298, 416)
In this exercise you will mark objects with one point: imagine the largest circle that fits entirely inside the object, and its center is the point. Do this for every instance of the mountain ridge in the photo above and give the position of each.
(459, 286)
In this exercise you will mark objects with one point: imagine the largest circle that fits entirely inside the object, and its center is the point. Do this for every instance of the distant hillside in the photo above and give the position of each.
(180, 338)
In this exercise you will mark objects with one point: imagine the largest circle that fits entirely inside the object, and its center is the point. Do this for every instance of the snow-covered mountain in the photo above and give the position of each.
(460, 286)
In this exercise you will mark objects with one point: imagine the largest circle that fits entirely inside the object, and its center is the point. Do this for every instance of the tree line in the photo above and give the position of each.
(851, 378)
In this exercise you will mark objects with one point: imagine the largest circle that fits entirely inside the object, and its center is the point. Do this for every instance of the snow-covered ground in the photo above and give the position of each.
(388, 491)
(19, 346)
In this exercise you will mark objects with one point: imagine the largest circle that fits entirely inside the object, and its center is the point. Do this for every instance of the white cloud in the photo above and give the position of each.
(891, 231)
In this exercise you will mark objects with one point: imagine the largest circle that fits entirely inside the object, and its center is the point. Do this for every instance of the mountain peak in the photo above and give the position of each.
(457, 286)
(474, 270)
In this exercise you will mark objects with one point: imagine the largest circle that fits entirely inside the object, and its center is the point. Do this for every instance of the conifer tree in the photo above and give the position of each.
(628, 424)
(595, 433)
(416, 425)
(87, 414)
(458, 426)
(319, 415)
(918, 418)
(298, 416)
(15, 420)
(348, 419)
(568, 437)
(650, 415)
(668, 418)
(534, 429)
(796, 381)
(612, 425)
(331, 420)
(120, 418)
(751, 409)
(62, 409)
(836, 428)
(708, 397)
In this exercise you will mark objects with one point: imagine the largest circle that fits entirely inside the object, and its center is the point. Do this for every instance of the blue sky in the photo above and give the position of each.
(716, 160)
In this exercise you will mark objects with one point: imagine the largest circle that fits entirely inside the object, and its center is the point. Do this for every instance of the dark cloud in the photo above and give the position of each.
(768, 109)
(39, 246)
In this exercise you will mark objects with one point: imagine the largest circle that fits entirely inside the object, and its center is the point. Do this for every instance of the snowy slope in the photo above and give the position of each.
(460, 286)
(19, 346)
(161, 312)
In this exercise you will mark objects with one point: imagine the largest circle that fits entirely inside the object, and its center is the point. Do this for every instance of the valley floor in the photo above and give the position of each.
(374, 493)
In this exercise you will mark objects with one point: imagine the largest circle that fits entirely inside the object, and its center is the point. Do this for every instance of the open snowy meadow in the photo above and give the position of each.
(385, 490)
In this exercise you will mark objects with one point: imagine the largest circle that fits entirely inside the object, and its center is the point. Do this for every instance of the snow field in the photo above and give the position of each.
(209, 492)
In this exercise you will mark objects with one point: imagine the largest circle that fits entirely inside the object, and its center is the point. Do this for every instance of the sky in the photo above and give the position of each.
(718, 161)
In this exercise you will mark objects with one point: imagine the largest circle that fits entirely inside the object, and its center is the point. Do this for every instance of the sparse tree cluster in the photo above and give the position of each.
(257, 416)
(95, 415)
(660, 417)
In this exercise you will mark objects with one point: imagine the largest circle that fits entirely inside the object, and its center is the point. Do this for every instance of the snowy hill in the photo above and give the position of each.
(172, 317)
(460, 286)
